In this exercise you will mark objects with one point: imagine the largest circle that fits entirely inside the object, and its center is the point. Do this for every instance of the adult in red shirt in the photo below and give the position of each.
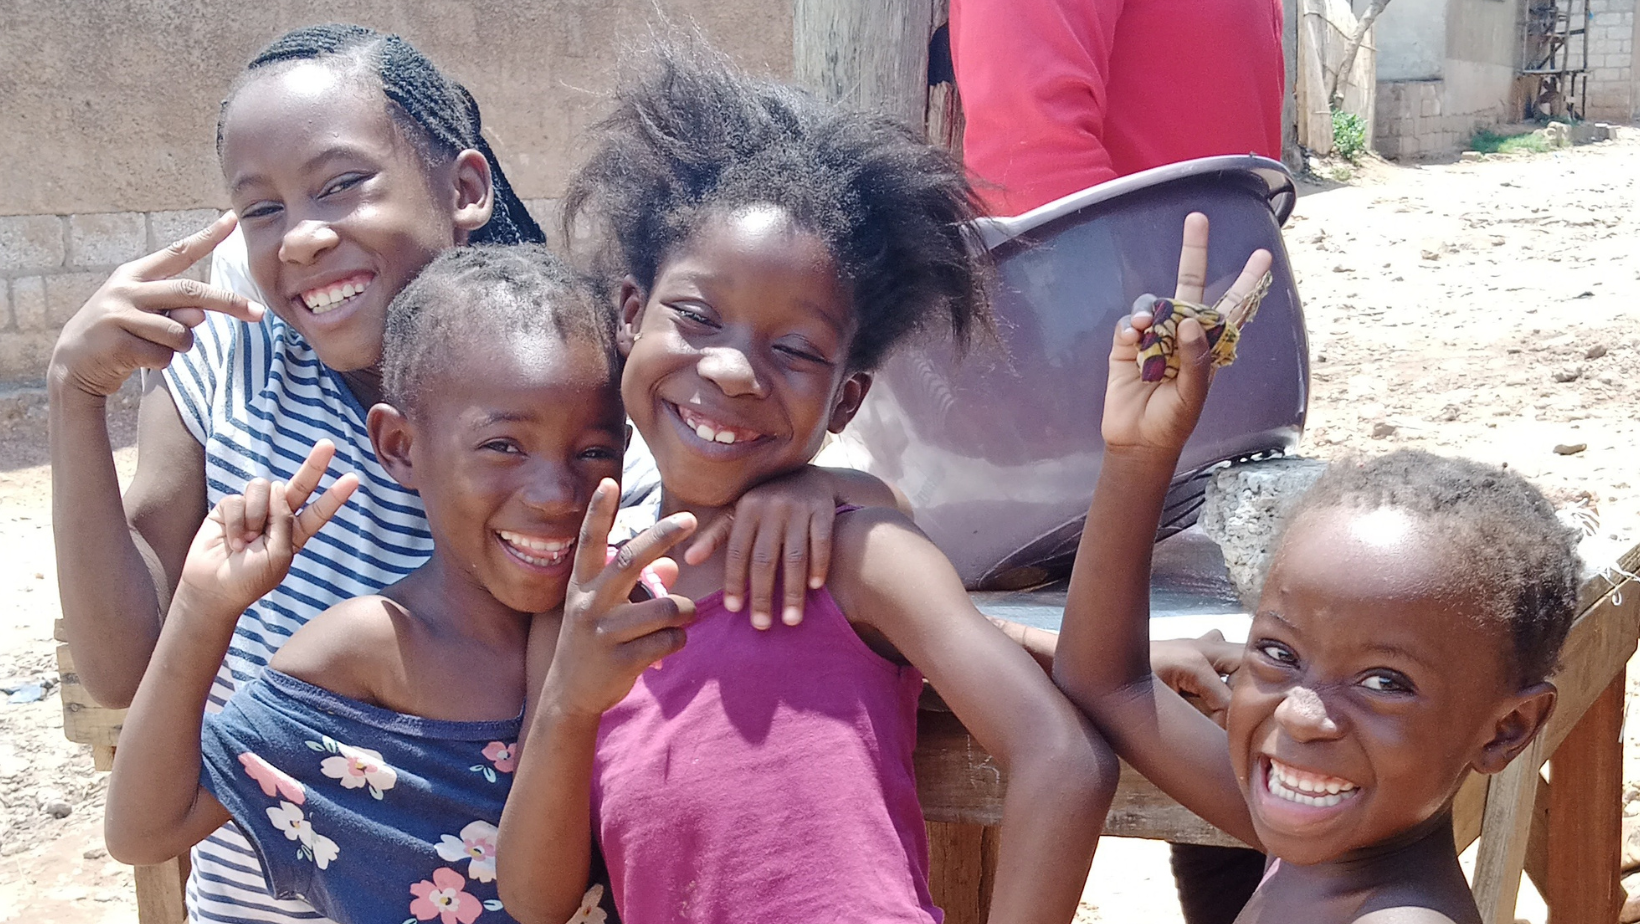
(1062, 94)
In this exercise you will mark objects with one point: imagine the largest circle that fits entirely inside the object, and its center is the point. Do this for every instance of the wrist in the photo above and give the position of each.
(190, 603)
(1141, 461)
(63, 391)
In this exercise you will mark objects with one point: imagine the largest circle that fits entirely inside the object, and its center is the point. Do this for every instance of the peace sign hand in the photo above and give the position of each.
(246, 545)
(143, 315)
(605, 641)
(1158, 417)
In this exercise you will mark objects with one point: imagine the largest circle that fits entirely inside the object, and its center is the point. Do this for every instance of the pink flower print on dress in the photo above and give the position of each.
(274, 782)
(476, 843)
(504, 756)
(356, 767)
(445, 899)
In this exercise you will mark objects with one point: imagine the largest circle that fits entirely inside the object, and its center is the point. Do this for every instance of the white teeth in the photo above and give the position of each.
(724, 436)
(704, 432)
(548, 552)
(1287, 784)
(321, 300)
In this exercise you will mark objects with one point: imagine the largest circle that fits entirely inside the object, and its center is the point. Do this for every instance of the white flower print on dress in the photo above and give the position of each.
(476, 843)
(355, 767)
(313, 846)
(589, 912)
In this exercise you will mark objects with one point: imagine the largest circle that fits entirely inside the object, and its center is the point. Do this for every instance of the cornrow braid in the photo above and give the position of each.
(441, 116)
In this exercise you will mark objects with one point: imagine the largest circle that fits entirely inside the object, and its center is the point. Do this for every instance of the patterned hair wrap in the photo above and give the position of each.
(1158, 345)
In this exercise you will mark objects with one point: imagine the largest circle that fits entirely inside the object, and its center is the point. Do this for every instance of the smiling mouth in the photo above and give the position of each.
(1306, 788)
(327, 298)
(713, 431)
(535, 550)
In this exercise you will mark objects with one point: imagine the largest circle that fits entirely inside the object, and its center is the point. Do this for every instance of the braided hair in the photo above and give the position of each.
(511, 293)
(694, 138)
(436, 113)
(1521, 559)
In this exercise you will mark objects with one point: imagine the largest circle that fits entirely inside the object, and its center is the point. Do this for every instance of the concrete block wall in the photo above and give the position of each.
(1415, 119)
(50, 264)
(1612, 93)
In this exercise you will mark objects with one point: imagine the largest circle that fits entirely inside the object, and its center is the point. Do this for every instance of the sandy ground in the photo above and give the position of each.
(1486, 309)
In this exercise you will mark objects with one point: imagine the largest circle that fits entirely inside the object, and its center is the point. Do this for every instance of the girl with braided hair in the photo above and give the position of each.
(351, 162)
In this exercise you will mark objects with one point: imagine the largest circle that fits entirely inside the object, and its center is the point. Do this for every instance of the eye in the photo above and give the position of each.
(341, 183)
(506, 447)
(1387, 682)
(690, 315)
(803, 354)
(601, 454)
(1277, 652)
(259, 210)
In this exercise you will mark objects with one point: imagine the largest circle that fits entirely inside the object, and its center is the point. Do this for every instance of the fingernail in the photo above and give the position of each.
(732, 604)
(815, 583)
(792, 616)
(761, 621)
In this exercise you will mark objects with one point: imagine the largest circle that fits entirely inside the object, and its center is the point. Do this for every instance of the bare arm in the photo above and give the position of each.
(116, 583)
(156, 805)
(1061, 775)
(1103, 663)
(544, 854)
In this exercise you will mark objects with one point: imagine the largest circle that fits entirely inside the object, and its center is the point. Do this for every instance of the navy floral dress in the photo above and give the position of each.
(368, 815)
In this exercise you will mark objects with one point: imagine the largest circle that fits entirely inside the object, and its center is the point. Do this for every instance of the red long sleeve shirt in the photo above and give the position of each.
(1062, 94)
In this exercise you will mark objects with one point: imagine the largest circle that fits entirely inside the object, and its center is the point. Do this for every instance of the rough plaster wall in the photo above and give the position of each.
(1411, 37)
(1484, 32)
(112, 106)
(1423, 117)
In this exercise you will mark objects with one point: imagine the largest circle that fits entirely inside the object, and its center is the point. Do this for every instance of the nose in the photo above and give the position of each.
(1303, 714)
(305, 241)
(731, 370)
(553, 491)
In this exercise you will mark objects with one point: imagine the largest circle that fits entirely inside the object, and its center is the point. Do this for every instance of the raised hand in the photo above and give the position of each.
(143, 315)
(1157, 417)
(606, 641)
(246, 545)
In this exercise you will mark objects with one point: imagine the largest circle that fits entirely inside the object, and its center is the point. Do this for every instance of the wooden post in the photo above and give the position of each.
(870, 54)
(1585, 815)
(1506, 832)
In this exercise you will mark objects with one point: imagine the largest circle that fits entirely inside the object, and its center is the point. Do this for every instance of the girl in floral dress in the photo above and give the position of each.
(368, 764)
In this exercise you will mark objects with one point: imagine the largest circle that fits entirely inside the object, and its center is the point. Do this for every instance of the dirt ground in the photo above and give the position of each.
(1485, 308)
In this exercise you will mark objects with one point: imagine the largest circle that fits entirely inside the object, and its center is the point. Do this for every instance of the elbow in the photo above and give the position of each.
(109, 684)
(1075, 768)
(133, 848)
(527, 905)
(108, 693)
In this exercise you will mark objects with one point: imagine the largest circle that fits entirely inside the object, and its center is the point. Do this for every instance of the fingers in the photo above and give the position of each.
(1252, 273)
(159, 329)
(630, 622)
(232, 511)
(794, 575)
(1195, 363)
(257, 504)
(765, 563)
(709, 539)
(590, 546)
(189, 297)
(1193, 259)
(306, 478)
(737, 559)
(180, 255)
(279, 522)
(315, 515)
(820, 547)
(625, 570)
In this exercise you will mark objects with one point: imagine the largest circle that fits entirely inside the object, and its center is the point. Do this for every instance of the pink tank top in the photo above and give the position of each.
(765, 777)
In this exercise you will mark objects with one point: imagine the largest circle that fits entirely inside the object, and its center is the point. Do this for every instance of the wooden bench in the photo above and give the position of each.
(1567, 836)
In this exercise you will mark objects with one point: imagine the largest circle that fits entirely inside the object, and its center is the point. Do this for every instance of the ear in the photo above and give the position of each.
(629, 301)
(391, 436)
(1519, 720)
(474, 194)
(849, 398)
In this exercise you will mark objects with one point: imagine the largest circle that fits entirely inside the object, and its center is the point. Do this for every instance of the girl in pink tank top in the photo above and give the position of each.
(767, 251)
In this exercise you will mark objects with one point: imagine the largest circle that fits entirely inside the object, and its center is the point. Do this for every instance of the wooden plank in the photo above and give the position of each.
(1469, 809)
(962, 870)
(1597, 648)
(869, 54)
(1505, 832)
(1585, 836)
(84, 720)
(160, 892)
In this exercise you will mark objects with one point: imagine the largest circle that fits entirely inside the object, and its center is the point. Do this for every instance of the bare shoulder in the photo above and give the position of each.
(874, 548)
(351, 649)
(1408, 915)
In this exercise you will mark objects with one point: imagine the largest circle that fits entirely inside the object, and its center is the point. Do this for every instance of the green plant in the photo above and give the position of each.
(1490, 142)
(1349, 135)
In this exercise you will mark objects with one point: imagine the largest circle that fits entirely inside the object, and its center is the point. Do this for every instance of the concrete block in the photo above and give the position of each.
(24, 357)
(28, 304)
(1245, 509)
(66, 292)
(7, 322)
(546, 214)
(106, 238)
(164, 228)
(31, 243)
